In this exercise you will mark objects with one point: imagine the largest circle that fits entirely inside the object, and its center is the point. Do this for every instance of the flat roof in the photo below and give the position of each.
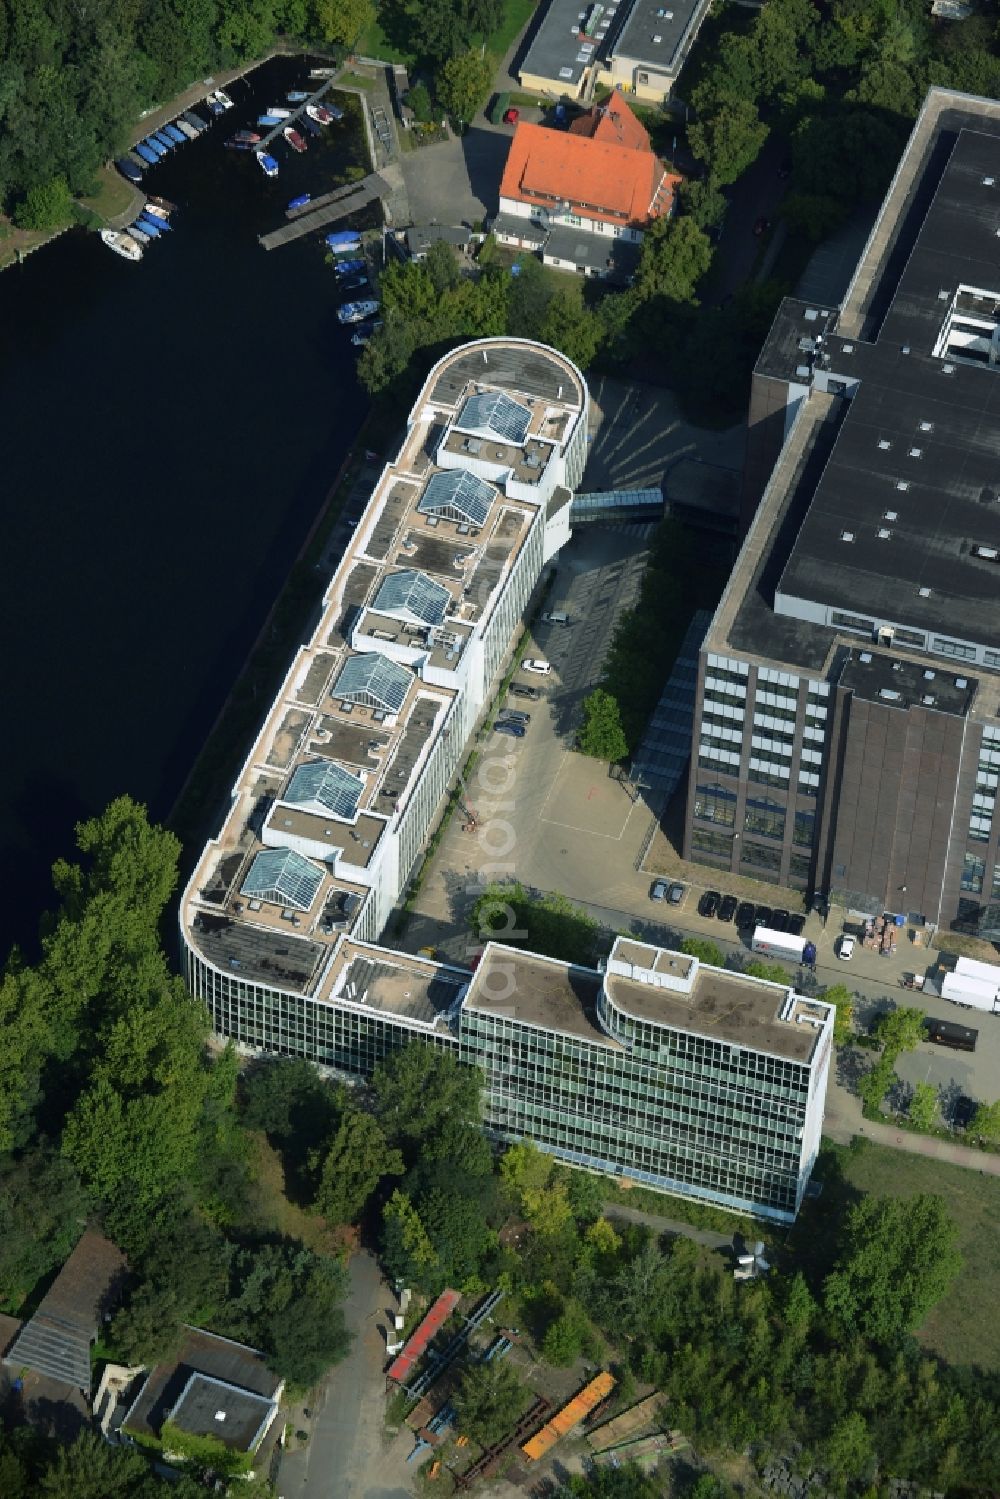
(374, 688)
(210, 1407)
(538, 991)
(237, 1365)
(878, 676)
(557, 50)
(654, 34)
(416, 989)
(616, 258)
(721, 1006)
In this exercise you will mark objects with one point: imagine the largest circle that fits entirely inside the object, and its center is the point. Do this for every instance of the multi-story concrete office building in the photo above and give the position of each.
(847, 737)
(696, 1081)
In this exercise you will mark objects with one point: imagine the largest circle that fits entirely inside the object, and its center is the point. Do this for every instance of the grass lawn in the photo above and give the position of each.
(374, 42)
(962, 1328)
(275, 1211)
(113, 195)
(516, 15)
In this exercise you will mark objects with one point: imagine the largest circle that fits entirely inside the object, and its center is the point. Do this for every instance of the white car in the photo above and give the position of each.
(541, 668)
(846, 949)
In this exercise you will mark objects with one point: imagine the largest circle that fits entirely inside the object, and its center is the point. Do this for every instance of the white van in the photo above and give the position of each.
(541, 667)
(557, 617)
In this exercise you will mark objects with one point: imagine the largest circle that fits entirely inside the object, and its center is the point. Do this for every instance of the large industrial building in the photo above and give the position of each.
(847, 724)
(688, 1078)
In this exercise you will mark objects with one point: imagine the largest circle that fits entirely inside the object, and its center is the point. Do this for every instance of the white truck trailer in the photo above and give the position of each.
(783, 945)
(973, 984)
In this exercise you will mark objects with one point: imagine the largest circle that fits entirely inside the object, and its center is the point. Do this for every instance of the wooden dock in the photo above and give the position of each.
(333, 206)
(296, 113)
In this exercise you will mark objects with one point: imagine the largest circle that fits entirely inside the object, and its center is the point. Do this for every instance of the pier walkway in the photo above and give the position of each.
(333, 206)
(296, 113)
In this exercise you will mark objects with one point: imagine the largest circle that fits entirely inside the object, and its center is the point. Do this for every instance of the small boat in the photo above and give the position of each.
(213, 106)
(299, 202)
(269, 122)
(297, 96)
(128, 169)
(267, 164)
(195, 121)
(148, 219)
(311, 128)
(279, 112)
(122, 244)
(164, 139)
(355, 283)
(177, 136)
(250, 136)
(149, 156)
(149, 226)
(161, 203)
(357, 312)
(188, 131)
(315, 111)
(361, 336)
(158, 149)
(224, 99)
(235, 144)
(333, 111)
(294, 139)
(154, 211)
(348, 267)
(344, 239)
(139, 234)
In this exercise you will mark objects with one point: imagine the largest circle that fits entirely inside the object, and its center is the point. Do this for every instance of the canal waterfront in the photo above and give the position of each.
(169, 432)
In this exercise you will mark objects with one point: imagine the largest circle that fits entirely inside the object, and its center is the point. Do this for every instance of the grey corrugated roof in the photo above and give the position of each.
(56, 1341)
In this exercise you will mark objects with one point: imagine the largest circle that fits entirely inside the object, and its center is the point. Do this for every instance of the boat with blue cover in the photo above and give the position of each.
(177, 136)
(357, 312)
(149, 156)
(128, 169)
(164, 139)
(344, 239)
(300, 201)
(267, 164)
(269, 121)
(297, 96)
(348, 267)
(152, 144)
(149, 226)
(160, 225)
(310, 127)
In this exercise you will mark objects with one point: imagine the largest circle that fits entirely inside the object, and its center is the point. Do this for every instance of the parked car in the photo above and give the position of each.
(521, 689)
(676, 893)
(745, 912)
(845, 948)
(542, 668)
(709, 903)
(728, 907)
(762, 915)
(658, 889)
(557, 617)
(796, 925)
(779, 921)
(508, 726)
(514, 715)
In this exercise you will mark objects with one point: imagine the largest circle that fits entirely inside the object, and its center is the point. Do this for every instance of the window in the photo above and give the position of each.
(799, 867)
(765, 859)
(953, 648)
(996, 882)
(714, 845)
(764, 817)
(973, 870)
(804, 828)
(851, 621)
(715, 803)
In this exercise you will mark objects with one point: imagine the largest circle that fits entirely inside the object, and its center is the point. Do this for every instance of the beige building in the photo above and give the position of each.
(638, 46)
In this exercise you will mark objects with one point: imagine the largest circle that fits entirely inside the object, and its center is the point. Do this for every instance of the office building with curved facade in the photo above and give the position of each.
(282, 916)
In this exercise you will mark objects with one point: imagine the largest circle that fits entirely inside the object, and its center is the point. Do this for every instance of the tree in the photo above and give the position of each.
(601, 735)
(489, 1401)
(897, 1260)
(407, 1250)
(357, 1160)
(42, 1206)
(463, 84)
(531, 291)
(442, 267)
(728, 141)
(675, 255)
(986, 1121)
(572, 327)
(900, 1030)
(842, 1000)
(287, 1099)
(420, 101)
(847, 1452)
(814, 215)
(876, 1083)
(417, 1090)
(625, 1482)
(526, 1169)
(45, 206)
(704, 950)
(702, 201)
(923, 1110)
(343, 20)
(92, 1469)
(772, 973)
(564, 1339)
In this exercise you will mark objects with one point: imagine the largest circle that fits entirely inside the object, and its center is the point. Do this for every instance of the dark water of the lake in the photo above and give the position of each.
(168, 431)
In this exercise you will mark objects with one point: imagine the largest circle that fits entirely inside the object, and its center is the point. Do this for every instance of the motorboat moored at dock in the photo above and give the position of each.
(348, 267)
(357, 312)
(177, 136)
(139, 234)
(161, 203)
(149, 156)
(310, 127)
(164, 140)
(267, 164)
(297, 96)
(362, 334)
(195, 120)
(149, 226)
(158, 149)
(122, 244)
(128, 169)
(146, 219)
(188, 131)
(294, 139)
(299, 202)
(155, 211)
(343, 239)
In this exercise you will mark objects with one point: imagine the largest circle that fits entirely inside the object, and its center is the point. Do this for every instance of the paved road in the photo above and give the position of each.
(705, 1236)
(348, 1455)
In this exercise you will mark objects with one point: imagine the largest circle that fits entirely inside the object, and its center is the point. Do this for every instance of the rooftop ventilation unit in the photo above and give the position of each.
(924, 593)
(847, 535)
(902, 485)
(865, 657)
(884, 444)
(811, 314)
(889, 694)
(891, 515)
(961, 681)
(929, 675)
(883, 533)
(847, 349)
(927, 700)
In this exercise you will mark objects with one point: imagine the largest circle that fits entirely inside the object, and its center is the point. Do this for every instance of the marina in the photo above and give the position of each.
(327, 210)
